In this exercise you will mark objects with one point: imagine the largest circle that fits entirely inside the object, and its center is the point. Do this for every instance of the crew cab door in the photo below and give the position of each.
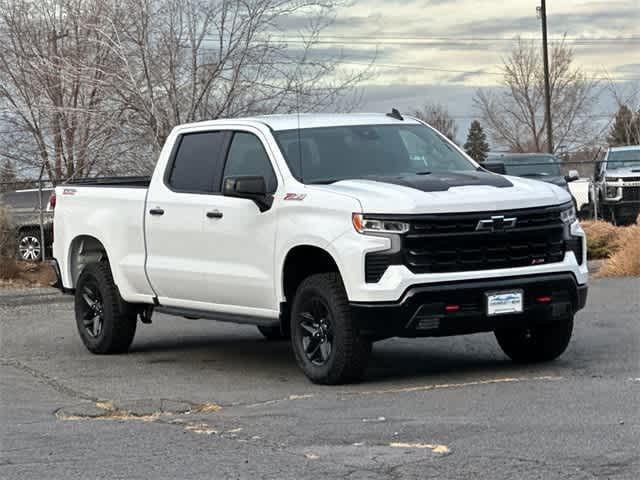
(239, 265)
(177, 246)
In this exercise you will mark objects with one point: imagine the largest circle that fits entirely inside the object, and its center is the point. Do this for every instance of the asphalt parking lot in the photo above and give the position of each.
(201, 399)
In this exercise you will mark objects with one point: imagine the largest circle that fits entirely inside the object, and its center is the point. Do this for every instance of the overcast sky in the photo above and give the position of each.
(444, 50)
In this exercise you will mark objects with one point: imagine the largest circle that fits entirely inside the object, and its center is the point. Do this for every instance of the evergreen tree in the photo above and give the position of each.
(624, 130)
(476, 146)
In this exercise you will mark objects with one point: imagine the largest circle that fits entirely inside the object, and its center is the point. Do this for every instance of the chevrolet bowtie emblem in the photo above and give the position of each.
(496, 224)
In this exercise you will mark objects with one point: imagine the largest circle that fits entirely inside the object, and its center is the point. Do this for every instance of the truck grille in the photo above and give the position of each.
(631, 194)
(451, 243)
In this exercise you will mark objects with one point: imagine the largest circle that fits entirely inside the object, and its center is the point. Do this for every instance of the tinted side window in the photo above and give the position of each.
(197, 162)
(247, 157)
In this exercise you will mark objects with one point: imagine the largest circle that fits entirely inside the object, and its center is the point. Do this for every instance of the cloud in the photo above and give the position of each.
(461, 78)
(618, 20)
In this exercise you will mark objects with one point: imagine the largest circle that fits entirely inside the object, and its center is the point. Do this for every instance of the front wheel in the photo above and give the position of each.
(325, 340)
(105, 322)
(540, 343)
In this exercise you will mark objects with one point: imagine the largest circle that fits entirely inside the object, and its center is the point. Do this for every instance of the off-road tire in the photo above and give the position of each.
(272, 333)
(626, 220)
(119, 318)
(540, 343)
(350, 351)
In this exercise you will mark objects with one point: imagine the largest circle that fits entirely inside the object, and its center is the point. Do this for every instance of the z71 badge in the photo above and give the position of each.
(295, 196)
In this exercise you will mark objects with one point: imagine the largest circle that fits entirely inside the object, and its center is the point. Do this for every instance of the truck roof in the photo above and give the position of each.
(622, 149)
(313, 120)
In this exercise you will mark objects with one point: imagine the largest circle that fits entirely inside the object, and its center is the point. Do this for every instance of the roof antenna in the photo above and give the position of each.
(395, 114)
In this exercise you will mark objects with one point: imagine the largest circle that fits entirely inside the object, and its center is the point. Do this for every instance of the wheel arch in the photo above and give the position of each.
(84, 249)
(300, 262)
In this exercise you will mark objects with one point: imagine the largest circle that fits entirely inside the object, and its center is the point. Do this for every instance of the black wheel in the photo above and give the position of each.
(272, 333)
(105, 322)
(29, 245)
(541, 343)
(325, 341)
(626, 221)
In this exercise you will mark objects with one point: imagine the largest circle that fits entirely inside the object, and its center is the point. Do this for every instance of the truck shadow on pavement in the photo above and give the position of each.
(395, 359)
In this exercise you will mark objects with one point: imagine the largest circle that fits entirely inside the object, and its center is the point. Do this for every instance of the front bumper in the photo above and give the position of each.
(421, 310)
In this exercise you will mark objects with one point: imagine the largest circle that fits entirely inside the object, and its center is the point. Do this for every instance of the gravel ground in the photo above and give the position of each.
(201, 399)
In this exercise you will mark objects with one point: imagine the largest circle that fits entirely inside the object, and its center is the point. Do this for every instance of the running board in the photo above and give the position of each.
(194, 314)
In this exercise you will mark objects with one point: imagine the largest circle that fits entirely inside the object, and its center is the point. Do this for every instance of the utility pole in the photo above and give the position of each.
(547, 87)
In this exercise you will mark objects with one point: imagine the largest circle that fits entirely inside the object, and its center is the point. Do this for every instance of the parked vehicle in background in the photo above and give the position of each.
(581, 192)
(24, 208)
(537, 166)
(617, 185)
(338, 230)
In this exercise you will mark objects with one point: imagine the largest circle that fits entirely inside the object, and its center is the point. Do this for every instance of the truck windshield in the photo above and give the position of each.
(532, 166)
(623, 159)
(330, 154)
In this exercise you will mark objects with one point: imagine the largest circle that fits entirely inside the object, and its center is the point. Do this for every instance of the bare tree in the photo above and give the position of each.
(514, 114)
(53, 70)
(100, 83)
(439, 118)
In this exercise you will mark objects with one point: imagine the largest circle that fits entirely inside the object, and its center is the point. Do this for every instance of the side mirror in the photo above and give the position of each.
(495, 167)
(572, 177)
(251, 188)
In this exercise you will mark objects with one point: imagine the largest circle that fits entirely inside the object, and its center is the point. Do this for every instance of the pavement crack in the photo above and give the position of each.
(46, 379)
(425, 388)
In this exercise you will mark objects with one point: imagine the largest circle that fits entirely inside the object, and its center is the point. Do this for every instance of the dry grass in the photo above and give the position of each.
(603, 239)
(25, 274)
(8, 266)
(625, 262)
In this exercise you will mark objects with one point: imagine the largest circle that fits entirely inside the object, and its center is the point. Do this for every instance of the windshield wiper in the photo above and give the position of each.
(534, 175)
(423, 173)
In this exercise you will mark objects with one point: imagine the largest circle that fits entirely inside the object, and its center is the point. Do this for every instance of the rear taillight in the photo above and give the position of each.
(52, 201)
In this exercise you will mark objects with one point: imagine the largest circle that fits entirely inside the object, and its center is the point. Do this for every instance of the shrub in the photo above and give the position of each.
(8, 267)
(626, 260)
(603, 239)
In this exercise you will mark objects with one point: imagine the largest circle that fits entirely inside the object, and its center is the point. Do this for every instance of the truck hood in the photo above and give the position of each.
(623, 172)
(448, 193)
(559, 181)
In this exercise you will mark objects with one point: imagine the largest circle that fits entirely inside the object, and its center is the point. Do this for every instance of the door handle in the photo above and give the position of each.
(156, 211)
(214, 214)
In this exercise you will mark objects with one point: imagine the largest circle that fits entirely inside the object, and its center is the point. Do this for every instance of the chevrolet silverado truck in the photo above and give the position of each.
(334, 230)
(617, 184)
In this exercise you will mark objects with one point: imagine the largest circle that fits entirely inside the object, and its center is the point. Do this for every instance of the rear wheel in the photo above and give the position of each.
(105, 322)
(540, 343)
(325, 340)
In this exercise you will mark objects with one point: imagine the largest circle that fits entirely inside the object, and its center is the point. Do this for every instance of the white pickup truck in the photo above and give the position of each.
(335, 230)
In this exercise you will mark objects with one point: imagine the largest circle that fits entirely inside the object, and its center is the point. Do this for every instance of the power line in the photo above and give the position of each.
(452, 70)
(403, 36)
(395, 41)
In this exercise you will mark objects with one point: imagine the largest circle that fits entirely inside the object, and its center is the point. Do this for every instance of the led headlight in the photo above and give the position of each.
(612, 192)
(568, 215)
(362, 224)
